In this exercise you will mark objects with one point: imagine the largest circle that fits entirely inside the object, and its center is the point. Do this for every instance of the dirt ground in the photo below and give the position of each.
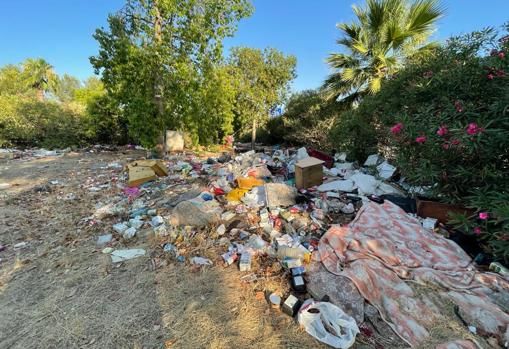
(60, 291)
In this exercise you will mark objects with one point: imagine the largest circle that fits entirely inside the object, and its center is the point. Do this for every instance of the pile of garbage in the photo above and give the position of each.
(265, 213)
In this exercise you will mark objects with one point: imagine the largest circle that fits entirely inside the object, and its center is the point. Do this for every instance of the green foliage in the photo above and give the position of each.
(66, 87)
(76, 114)
(261, 81)
(386, 31)
(307, 119)
(356, 133)
(156, 60)
(106, 123)
(25, 121)
(11, 81)
(448, 110)
(39, 74)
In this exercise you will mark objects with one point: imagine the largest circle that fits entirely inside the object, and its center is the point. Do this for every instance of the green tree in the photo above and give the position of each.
(155, 56)
(92, 88)
(262, 81)
(385, 33)
(11, 80)
(307, 118)
(66, 87)
(39, 74)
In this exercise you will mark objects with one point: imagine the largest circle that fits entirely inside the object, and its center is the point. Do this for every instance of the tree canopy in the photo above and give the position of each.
(377, 43)
(39, 74)
(262, 81)
(156, 59)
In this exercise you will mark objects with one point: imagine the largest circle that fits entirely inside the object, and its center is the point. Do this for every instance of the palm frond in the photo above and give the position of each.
(385, 33)
(374, 84)
(422, 15)
(377, 14)
(350, 30)
(340, 61)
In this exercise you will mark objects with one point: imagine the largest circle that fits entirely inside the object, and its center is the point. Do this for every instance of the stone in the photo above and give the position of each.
(341, 290)
(174, 141)
(280, 194)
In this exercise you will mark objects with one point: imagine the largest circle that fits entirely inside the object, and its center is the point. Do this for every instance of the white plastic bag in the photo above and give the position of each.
(328, 323)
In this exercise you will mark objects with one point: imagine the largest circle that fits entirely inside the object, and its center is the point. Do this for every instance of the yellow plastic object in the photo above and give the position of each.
(236, 194)
(249, 182)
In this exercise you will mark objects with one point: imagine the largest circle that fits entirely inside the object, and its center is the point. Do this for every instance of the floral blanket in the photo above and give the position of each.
(383, 247)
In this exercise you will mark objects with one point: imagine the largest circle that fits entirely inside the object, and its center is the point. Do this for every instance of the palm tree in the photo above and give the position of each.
(40, 75)
(385, 33)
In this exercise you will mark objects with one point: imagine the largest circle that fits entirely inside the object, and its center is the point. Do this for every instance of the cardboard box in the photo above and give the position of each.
(308, 172)
(140, 175)
(156, 165)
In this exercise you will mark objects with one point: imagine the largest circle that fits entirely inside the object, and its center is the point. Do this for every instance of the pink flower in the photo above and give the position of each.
(421, 139)
(455, 142)
(501, 54)
(483, 215)
(446, 146)
(474, 129)
(491, 76)
(500, 72)
(458, 106)
(442, 130)
(397, 128)
(477, 231)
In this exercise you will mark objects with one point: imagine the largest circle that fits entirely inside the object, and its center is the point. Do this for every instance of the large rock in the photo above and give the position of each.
(174, 141)
(280, 195)
(196, 212)
(341, 290)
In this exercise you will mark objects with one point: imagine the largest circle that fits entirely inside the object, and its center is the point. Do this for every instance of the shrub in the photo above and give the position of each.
(24, 121)
(106, 123)
(306, 121)
(355, 133)
(444, 121)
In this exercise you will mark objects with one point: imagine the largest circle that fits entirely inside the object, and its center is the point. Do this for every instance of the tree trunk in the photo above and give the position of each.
(158, 81)
(40, 95)
(158, 84)
(253, 134)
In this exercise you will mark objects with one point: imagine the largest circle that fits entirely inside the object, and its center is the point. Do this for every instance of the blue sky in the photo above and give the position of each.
(61, 31)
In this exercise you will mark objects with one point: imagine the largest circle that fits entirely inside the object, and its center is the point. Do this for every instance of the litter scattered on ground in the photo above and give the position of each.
(315, 222)
(124, 255)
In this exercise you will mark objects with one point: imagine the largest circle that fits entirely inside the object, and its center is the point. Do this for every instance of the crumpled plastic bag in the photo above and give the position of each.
(201, 261)
(255, 197)
(328, 323)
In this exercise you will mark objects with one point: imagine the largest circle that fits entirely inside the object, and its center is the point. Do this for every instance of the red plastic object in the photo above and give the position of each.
(218, 191)
(329, 160)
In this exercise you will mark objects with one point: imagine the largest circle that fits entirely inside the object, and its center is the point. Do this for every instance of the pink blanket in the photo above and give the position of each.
(384, 246)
